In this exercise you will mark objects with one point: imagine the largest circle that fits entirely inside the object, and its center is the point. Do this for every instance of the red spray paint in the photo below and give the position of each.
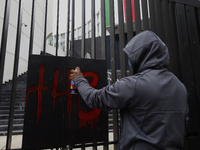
(40, 87)
(84, 117)
(93, 115)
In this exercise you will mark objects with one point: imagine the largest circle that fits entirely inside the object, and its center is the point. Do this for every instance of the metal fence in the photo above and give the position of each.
(176, 22)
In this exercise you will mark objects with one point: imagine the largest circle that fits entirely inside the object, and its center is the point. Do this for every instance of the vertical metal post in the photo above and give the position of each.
(83, 30)
(195, 53)
(93, 40)
(103, 30)
(152, 16)
(93, 45)
(83, 146)
(166, 23)
(94, 146)
(137, 16)
(159, 19)
(112, 41)
(187, 64)
(121, 38)
(4, 40)
(57, 31)
(129, 20)
(68, 20)
(113, 68)
(199, 16)
(72, 29)
(83, 44)
(14, 80)
(145, 15)
(32, 28)
(175, 62)
(129, 24)
(45, 28)
(103, 46)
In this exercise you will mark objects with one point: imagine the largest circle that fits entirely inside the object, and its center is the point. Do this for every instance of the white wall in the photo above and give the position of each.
(78, 14)
(51, 50)
(25, 36)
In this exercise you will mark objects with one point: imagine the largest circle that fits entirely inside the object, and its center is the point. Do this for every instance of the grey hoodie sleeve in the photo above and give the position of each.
(116, 96)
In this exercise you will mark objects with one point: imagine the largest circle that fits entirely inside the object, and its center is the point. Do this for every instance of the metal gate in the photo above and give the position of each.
(176, 22)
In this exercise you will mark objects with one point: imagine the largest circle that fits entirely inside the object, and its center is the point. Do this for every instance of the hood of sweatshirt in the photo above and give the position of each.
(147, 51)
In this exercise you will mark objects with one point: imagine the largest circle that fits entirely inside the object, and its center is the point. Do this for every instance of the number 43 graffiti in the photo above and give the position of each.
(84, 117)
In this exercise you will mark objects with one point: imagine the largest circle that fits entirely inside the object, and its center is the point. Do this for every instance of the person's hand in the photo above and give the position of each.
(75, 73)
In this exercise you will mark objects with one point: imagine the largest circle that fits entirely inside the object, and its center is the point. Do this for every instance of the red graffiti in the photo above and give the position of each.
(93, 115)
(88, 116)
(84, 117)
(40, 87)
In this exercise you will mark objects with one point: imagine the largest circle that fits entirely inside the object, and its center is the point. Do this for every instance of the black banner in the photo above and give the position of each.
(53, 116)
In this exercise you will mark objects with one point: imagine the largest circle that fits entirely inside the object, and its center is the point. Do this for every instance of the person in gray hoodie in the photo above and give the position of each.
(152, 102)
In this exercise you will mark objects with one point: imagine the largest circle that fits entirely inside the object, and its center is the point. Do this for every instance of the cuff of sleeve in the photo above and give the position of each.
(78, 79)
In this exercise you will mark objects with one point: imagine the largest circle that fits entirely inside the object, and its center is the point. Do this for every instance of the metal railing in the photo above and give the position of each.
(176, 22)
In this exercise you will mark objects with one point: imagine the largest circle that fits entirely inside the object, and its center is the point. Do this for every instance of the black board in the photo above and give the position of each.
(50, 123)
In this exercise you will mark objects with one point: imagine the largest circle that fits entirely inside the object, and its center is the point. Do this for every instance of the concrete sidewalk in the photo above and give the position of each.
(17, 143)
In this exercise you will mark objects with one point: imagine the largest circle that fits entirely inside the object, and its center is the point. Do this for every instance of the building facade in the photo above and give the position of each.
(25, 36)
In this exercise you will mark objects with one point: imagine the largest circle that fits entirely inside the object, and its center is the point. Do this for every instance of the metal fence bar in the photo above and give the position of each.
(103, 47)
(32, 28)
(68, 20)
(83, 146)
(121, 39)
(145, 15)
(93, 40)
(159, 17)
(93, 45)
(57, 29)
(170, 37)
(113, 68)
(70, 147)
(199, 15)
(129, 20)
(4, 40)
(72, 29)
(112, 41)
(83, 44)
(94, 146)
(186, 61)
(83, 30)
(175, 62)
(166, 22)
(14, 80)
(45, 28)
(152, 16)
(137, 17)
(129, 25)
(194, 3)
(195, 47)
(167, 28)
(103, 30)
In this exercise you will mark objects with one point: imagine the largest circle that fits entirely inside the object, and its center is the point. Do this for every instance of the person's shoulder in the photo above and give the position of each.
(131, 78)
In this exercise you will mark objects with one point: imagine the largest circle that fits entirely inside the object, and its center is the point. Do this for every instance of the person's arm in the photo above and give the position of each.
(116, 96)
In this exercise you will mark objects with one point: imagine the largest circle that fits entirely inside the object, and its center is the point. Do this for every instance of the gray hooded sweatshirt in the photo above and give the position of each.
(152, 102)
